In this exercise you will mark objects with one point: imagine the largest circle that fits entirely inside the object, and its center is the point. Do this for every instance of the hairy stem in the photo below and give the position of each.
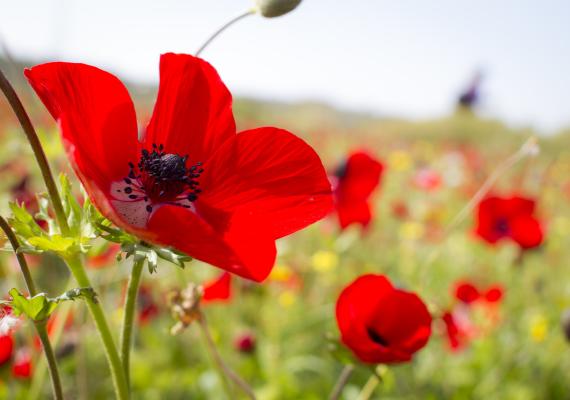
(117, 371)
(129, 315)
(40, 326)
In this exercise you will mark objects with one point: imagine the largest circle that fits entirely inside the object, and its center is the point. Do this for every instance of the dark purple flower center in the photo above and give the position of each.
(163, 178)
(376, 338)
(502, 227)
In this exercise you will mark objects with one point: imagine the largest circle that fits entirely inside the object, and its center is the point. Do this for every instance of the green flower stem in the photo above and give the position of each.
(117, 371)
(129, 315)
(223, 28)
(341, 382)
(40, 326)
(223, 369)
(51, 360)
(38, 150)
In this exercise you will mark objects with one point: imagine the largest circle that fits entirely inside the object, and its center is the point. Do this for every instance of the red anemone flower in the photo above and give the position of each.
(457, 336)
(190, 182)
(220, 289)
(380, 323)
(356, 180)
(512, 217)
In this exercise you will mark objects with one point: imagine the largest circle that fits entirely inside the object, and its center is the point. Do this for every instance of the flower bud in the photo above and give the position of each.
(276, 8)
(245, 343)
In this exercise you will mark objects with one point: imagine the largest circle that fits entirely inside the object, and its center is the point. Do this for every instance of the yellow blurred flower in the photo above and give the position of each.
(411, 230)
(281, 273)
(538, 328)
(324, 261)
(400, 160)
(287, 298)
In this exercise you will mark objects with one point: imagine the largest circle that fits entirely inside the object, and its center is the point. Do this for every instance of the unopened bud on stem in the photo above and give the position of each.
(276, 8)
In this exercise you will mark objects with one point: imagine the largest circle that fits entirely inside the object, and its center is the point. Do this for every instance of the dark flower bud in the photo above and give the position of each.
(245, 343)
(276, 8)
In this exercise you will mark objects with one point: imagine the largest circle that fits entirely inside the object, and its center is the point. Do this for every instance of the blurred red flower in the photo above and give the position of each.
(6, 348)
(190, 182)
(22, 366)
(512, 218)
(457, 335)
(427, 179)
(245, 343)
(380, 323)
(104, 257)
(466, 292)
(355, 181)
(220, 289)
(147, 307)
(494, 294)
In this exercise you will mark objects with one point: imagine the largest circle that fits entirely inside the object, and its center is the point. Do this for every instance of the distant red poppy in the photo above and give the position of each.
(6, 348)
(245, 343)
(190, 183)
(380, 323)
(466, 292)
(512, 218)
(493, 294)
(220, 289)
(22, 366)
(457, 336)
(147, 307)
(356, 180)
(427, 179)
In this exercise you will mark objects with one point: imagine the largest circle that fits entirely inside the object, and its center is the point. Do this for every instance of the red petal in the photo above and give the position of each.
(273, 172)
(193, 111)
(354, 213)
(239, 244)
(527, 232)
(358, 178)
(219, 289)
(96, 116)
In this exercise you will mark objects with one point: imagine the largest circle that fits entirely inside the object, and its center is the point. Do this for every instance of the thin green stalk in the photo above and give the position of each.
(37, 148)
(117, 371)
(341, 382)
(40, 326)
(51, 360)
(129, 315)
(223, 28)
(223, 369)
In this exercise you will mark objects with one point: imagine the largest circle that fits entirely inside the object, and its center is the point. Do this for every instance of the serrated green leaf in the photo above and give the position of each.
(56, 243)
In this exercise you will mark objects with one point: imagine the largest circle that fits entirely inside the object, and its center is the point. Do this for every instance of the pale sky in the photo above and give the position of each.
(406, 58)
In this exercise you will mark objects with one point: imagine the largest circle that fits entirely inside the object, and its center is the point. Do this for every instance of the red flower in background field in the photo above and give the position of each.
(22, 365)
(466, 292)
(380, 323)
(220, 289)
(427, 179)
(146, 305)
(190, 182)
(458, 329)
(356, 180)
(512, 218)
(6, 348)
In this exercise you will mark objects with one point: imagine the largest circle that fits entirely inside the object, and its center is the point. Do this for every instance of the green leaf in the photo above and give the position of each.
(37, 308)
(56, 243)
(40, 307)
